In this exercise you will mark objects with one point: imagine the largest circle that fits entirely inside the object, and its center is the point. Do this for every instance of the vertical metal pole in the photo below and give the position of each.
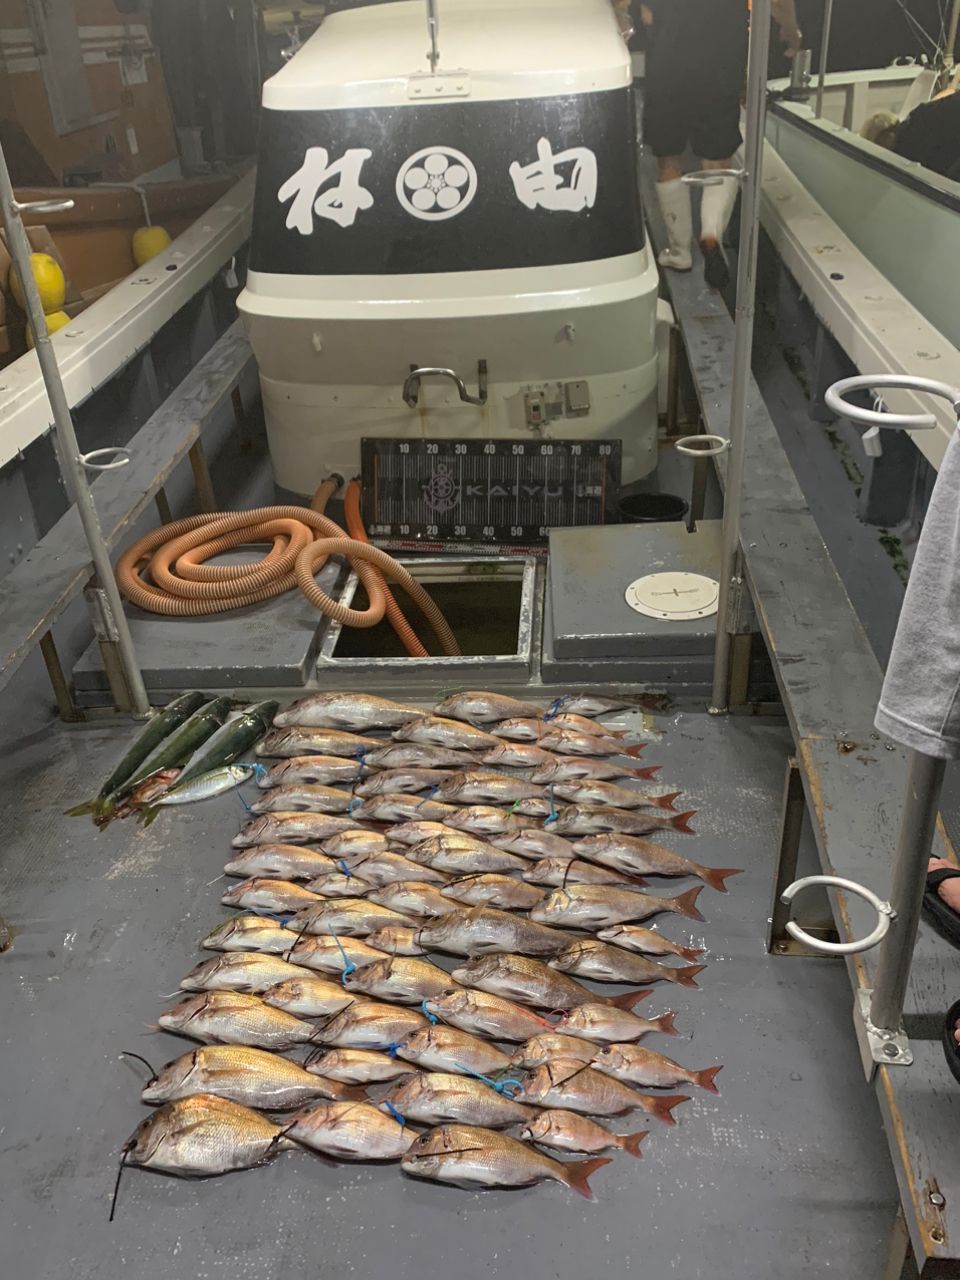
(948, 52)
(433, 30)
(917, 825)
(756, 106)
(824, 52)
(68, 451)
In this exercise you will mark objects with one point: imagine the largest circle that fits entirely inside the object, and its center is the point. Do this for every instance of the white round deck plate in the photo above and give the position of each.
(673, 597)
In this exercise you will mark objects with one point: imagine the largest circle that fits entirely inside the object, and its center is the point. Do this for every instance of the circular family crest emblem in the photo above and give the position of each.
(435, 183)
(441, 493)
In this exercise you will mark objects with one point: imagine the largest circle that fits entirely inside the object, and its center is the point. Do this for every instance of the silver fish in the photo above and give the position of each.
(634, 1065)
(518, 755)
(608, 1024)
(269, 895)
(300, 741)
(400, 979)
(569, 742)
(595, 906)
(279, 862)
(323, 771)
(413, 898)
(531, 982)
(521, 728)
(331, 955)
(411, 833)
(346, 917)
(484, 708)
(634, 937)
(436, 731)
(643, 857)
(566, 1131)
(400, 808)
(552, 1044)
(242, 1074)
(401, 782)
(440, 1048)
(603, 963)
(433, 1097)
(417, 755)
(569, 768)
(337, 884)
(534, 843)
(484, 820)
(581, 819)
(349, 1131)
(369, 1025)
(213, 783)
(251, 972)
(559, 872)
(480, 930)
(309, 996)
(350, 844)
(463, 855)
(347, 711)
(576, 1086)
(229, 1017)
(357, 1066)
(471, 1157)
(250, 933)
(483, 1014)
(204, 1135)
(303, 797)
(594, 791)
(481, 786)
(570, 722)
(490, 890)
(396, 940)
(292, 828)
(592, 704)
(387, 868)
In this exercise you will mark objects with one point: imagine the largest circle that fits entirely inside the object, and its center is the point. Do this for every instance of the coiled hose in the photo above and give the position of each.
(164, 571)
(395, 616)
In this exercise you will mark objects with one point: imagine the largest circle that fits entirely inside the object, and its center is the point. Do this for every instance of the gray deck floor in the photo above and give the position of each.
(785, 1173)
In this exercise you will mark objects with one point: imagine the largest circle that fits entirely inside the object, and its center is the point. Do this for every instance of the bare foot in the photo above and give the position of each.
(949, 891)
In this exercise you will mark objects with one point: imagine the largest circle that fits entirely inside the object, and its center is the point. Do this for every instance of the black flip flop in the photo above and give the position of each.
(951, 1050)
(944, 918)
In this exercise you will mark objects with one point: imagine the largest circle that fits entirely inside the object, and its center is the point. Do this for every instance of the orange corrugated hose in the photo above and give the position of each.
(354, 522)
(164, 571)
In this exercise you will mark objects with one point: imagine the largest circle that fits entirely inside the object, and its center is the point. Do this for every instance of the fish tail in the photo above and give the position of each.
(649, 771)
(682, 822)
(715, 876)
(80, 810)
(631, 1142)
(690, 953)
(665, 1023)
(635, 750)
(148, 815)
(685, 976)
(576, 1173)
(706, 1078)
(630, 998)
(662, 1106)
(685, 903)
(666, 802)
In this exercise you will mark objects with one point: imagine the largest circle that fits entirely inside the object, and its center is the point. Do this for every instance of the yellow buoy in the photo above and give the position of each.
(51, 285)
(55, 320)
(148, 242)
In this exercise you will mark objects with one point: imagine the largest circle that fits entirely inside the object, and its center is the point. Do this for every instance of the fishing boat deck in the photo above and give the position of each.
(787, 1168)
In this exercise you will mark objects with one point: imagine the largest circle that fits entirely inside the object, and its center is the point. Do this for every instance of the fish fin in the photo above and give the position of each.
(662, 1106)
(576, 1173)
(715, 876)
(682, 822)
(631, 1142)
(686, 903)
(706, 1078)
(650, 771)
(691, 953)
(148, 815)
(634, 751)
(685, 975)
(637, 881)
(81, 810)
(630, 998)
(665, 1024)
(666, 802)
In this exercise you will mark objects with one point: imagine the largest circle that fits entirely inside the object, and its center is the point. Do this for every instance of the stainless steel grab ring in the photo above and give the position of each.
(120, 457)
(702, 446)
(884, 910)
(835, 400)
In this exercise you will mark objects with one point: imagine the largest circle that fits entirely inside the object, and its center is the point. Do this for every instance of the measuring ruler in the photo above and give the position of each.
(486, 491)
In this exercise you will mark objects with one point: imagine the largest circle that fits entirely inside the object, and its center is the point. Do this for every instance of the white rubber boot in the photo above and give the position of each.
(674, 200)
(715, 213)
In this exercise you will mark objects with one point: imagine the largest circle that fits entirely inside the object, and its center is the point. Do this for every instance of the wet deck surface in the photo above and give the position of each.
(786, 1172)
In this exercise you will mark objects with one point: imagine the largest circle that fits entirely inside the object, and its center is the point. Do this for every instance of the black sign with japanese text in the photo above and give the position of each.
(457, 186)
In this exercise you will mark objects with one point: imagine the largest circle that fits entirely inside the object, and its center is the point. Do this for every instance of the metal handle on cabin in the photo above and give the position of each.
(43, 206)
(411, 383)
(711, 447)
(121, 458)
(835, 400)
(711, 177)
(885, 914)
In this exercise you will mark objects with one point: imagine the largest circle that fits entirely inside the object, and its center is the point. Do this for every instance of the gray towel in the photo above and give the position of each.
(920, 700)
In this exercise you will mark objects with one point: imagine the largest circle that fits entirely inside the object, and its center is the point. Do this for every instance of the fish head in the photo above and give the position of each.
(401, 1093)
(554, 906)
(610, 1058)
(447, 1003)
(234, 895)
(452, 786)
(572, 1020)
(170, 1080)
(367, 975)
(197, 978)
(475, 969)
(220, 936)
(147, 1138)
(251, 833)
(538, 1128)
(274, 742)
(283, 994)
(178, 1015)
(568, 959)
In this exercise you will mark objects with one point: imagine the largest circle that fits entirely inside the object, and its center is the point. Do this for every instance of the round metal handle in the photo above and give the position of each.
(835, 399)
(43, 206)
(120, 458)
(702, 446)
(883, 909)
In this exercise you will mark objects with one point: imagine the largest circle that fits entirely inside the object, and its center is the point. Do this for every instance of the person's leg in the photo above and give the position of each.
(665, 133)
(716, 136)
